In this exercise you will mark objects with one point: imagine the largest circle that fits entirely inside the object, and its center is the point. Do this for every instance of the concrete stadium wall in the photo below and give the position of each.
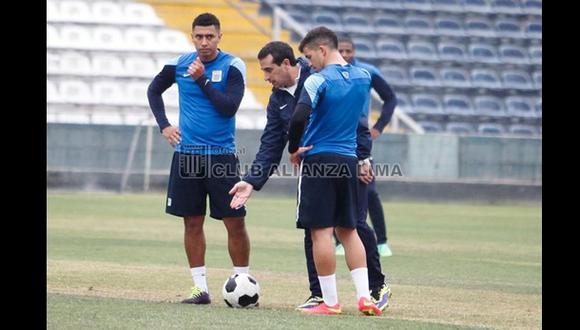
(429, 167)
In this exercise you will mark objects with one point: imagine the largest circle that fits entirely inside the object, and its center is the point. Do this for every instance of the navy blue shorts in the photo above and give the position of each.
(194, 177)
(328, 191)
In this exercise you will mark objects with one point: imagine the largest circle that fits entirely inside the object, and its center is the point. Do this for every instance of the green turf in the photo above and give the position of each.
(117, 261)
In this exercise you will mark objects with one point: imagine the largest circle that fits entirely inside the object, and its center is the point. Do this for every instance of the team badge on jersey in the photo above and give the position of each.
(345, 74)
(216, 76)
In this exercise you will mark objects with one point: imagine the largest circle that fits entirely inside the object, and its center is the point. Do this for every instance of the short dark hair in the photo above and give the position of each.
(319, 36)
(206, 19)
(346, 39)
(279, 51)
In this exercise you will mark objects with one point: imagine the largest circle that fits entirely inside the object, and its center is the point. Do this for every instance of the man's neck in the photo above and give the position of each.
(335, 58)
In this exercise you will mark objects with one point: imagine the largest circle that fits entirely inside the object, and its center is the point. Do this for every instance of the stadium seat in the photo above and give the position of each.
(452, 51)
(75, 63)
(75, 91)
(419, 24)
(538, 107)
(365, 48)
(136, 93)
(426, 104)
(489, 106)
(533, 29)
(449, 26)
(459, 128)
(109, 38)
(52, 11)
(537, 76)
(109, 92)
(535, 54)
(75, 11)
(505, 7)
(424, 76)
(329, 19)
(173, 41)
(387, 4)
(422, 50)
(357, 23)
(139, 39)
(107, 65)
(52, 37)
(142, 14)
(508, 28)
(453, 77)
(476, 6)
(431, 127)
(458, 104)
(516, 79)
(485, 78)
(479, 27)
(391, 49)
(250, 103)
(447, 5)
(533, 7)
(522, 130)
(403, 102)
(513, 54)
(300, 16)
(395, 75)
(519, 106)
(484, 53)
(416, 4)
(143, 67)
(76, 37)
(171, 96)
(52, 94)
(108, 12)
(52, 63)
(388, 23)
(491, 129)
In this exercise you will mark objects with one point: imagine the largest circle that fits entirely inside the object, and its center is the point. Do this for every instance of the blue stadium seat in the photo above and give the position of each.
(508, 28)
(387, 4)
(449, 26)
(513, 54)
(422, 50)
(489, 106)
(424, 76)
(455, 77)
(419, 24)
(431, 127)
(460, 128)
(391, 49)
(300, 16)
(403, 102)
(522, 130)
(427, 104)
(491, 129)
(356, 23)
(506, 7)
(519, 106)
(395, 75)
(485, 53)
(485, 78)
(534, 29)
(458, 104)
(365, 48)
(479, 27)
(533, 7)
(452, 51)
(329, 19)
(538, 107)
(388, 23)
(516, 79)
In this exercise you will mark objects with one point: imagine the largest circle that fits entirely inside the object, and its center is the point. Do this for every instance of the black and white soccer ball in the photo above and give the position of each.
(241, 291)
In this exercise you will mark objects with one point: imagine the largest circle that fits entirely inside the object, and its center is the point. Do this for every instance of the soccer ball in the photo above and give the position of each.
(241, 291)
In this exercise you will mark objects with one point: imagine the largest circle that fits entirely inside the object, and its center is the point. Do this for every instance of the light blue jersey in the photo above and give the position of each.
(203, 129)
(338, 96)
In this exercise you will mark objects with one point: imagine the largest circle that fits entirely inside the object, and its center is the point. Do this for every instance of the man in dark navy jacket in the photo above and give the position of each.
(287, 75)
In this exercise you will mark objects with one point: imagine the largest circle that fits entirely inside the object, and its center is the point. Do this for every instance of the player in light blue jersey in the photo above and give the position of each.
(211, 86)
(333, 102)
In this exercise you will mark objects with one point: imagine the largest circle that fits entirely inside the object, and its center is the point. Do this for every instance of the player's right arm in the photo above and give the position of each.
(162, 81)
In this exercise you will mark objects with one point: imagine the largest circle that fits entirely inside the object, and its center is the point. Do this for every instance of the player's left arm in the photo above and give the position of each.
(380, 85)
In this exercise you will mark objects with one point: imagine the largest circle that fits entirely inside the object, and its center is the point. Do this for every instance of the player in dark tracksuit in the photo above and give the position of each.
(287, 75)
